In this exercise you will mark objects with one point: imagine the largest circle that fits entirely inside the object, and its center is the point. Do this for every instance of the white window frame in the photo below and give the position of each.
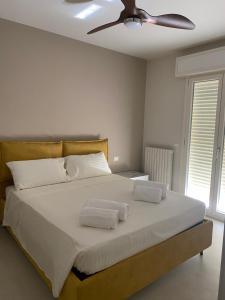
(186, 131)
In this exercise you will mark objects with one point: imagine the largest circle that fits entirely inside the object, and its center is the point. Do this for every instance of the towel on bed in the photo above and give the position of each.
(153, 184)
(147, 193)
(99, 217)
(122, 207)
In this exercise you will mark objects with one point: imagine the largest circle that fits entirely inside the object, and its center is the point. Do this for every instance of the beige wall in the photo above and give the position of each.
(164, 109)
(51, 86)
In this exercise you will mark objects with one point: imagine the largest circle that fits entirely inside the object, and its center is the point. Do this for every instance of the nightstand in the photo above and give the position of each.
(135, 175)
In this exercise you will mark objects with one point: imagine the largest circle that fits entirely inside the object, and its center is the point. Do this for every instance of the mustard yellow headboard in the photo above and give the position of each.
(28, 150)
(85, 147)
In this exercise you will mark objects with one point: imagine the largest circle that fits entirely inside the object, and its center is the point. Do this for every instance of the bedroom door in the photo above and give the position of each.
(204, 142)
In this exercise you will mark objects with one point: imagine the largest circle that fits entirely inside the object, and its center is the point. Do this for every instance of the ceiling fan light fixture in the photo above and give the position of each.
(133, 23)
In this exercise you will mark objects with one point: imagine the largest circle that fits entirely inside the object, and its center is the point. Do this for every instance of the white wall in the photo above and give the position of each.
(164, 108)
(222, 273)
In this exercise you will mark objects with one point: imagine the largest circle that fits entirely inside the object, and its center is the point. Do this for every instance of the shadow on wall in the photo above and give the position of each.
(50, 138)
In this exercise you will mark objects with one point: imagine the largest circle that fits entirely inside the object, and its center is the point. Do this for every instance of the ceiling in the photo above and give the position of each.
(148, 42)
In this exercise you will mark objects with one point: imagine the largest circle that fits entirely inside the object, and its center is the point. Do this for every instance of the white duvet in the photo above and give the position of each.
(45, 221)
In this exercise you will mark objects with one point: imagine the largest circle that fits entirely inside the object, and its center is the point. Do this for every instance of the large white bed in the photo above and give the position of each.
(45, 221)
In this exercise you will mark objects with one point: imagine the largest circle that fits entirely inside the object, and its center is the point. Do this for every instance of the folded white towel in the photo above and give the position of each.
(122, 207)
(154, 184)
(147, 193)
(99, 217)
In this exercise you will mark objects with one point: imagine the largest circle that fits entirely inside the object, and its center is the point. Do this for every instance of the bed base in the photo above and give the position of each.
(133, 274)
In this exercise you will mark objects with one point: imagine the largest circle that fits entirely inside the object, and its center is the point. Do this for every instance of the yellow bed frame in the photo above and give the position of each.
(128, 276)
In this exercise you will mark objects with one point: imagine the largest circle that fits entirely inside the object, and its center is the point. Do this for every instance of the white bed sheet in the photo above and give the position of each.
(45, 221)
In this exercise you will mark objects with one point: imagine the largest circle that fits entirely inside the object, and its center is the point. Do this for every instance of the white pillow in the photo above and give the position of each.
(85, 166)
(32, 173)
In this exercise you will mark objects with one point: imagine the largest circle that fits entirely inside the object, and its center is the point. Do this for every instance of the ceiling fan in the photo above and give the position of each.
(133, 16)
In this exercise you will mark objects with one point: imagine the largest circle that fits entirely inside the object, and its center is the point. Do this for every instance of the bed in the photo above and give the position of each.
(97, 264)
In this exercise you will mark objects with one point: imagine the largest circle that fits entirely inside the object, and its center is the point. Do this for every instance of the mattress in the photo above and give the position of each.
(45, 221)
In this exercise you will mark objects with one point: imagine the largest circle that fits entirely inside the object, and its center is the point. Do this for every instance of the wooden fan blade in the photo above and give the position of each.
(130, 5)
(169, 20)
(105, 26)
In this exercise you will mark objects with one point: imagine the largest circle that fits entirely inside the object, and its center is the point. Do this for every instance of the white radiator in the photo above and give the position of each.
(159, 164)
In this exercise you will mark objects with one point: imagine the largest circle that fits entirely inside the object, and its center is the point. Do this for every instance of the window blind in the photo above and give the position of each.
(201, 146)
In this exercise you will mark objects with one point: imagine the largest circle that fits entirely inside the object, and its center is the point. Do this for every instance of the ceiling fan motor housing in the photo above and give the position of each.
(133, 22)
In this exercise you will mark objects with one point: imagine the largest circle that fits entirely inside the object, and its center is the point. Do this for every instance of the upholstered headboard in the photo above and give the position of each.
(28, 150)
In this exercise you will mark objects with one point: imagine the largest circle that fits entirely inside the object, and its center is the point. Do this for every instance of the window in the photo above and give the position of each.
(204, 143)
(201, 145)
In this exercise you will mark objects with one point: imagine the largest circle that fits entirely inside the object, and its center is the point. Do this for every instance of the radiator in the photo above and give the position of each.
(159, 164)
